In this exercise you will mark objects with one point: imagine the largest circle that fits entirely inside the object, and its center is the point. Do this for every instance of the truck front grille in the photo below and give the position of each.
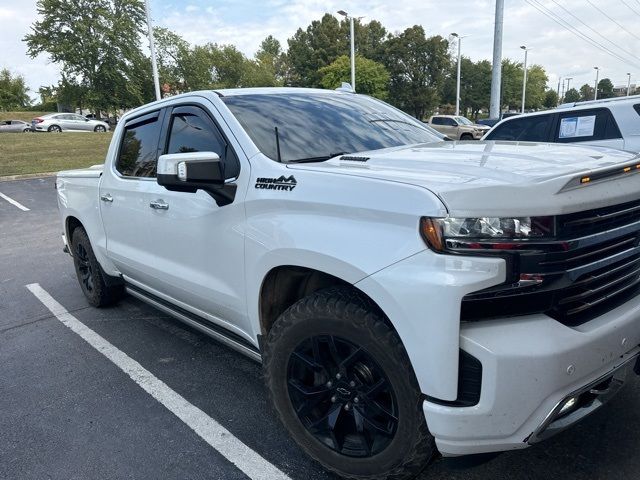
(591, 267)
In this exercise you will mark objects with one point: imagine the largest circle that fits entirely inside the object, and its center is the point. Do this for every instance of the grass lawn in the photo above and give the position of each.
(24, 116)
(22, 153)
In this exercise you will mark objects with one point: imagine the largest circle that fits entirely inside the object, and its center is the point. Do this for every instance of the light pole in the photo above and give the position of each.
(459, 37)
(595, 95)
(496, 68)
(628, 83)
(152, 48)
(524, 79)
(568, 79)
(353, 46)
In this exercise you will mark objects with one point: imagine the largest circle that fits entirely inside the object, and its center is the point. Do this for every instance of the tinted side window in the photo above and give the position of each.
(193, 131)
(586, 125)
(637, 107)
(524, 129)
(138, 155)
(450, 122)
(437, 120)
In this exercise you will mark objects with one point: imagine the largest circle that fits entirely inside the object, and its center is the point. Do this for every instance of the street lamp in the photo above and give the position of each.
(568, 79)
(628, 83)
(595, 95)
(152, 49)
(353, 48)
(524, 80)
(459, 37)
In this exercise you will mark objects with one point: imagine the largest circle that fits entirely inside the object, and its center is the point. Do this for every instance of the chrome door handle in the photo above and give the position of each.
(159, 205)
(106, 198)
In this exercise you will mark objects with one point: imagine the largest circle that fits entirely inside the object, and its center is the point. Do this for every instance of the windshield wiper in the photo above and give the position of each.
(322, 158)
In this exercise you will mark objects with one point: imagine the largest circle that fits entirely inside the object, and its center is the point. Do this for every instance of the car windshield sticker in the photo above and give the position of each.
(577, 126)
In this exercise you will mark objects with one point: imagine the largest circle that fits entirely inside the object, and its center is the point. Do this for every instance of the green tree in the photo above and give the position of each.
(536, 87)
(605, 88)
(417, 67)
(371, 77)
(173, 57)
(95, 41)
(14, 93)
(511, 91)
(550, 99)
(586, 92)
(475, 85)
(572, 96)
(271, 62)
(319, 45)
(370, 39)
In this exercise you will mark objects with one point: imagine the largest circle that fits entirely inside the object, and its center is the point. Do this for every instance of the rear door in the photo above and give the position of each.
(124, 200)
(198, 246)
(592, 127)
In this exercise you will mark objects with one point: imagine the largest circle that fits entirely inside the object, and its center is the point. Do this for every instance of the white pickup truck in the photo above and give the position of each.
(407, 296)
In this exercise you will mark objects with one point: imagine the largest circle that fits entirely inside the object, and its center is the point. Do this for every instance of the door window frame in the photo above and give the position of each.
(202, 110)
(161, 115)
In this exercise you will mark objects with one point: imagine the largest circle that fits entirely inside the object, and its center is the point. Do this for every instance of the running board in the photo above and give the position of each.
(220, 334)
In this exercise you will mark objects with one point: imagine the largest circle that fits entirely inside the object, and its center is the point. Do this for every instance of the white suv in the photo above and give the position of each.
(612, 122)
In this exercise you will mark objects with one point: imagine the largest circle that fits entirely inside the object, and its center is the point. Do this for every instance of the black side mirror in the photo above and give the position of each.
(193, 171)
(189, 172)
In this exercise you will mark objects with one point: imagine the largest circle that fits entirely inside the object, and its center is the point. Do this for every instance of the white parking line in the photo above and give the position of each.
(13, 202)
(243, 457)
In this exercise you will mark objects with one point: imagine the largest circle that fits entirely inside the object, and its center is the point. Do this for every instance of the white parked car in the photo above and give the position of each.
(67, 122)
(14, 126)
(612, 122)
(406, 295)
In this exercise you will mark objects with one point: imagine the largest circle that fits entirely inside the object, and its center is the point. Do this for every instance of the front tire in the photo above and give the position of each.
(99, 129)
(466, 136)
(90, 275)
(342, 384)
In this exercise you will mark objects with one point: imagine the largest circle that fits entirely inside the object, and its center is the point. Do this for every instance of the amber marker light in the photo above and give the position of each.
(585, 180)
(432, 233)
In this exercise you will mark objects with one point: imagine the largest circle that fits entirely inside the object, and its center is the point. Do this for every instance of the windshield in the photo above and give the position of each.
(464, 121)
(317, 126)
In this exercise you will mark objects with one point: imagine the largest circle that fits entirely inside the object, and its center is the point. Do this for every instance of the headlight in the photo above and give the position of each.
(496, 233)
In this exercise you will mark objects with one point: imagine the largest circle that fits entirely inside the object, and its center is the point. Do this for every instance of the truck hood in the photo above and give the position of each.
(499, 178)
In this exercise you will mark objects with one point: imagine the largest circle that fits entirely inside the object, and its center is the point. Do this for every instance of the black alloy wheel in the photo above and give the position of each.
(85, 271)
(342, 396)
(342, 384)
(99, 289)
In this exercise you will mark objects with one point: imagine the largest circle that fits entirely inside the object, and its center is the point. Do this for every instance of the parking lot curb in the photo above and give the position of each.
(8, 178)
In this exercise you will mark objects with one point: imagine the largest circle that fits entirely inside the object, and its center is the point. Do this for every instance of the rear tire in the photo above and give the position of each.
(54, 129)
(342, 384)
(99, 289)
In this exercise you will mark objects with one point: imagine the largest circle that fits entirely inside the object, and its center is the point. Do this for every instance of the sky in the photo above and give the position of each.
(245, 23)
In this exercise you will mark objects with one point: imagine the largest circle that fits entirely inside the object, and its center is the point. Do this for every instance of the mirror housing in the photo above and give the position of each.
(193, 171)
(189, 172)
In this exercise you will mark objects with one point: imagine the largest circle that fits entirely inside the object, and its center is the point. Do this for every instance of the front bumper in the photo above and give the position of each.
(531, 366)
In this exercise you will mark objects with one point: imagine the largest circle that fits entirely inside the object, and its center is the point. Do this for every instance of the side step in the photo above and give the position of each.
(222, 335)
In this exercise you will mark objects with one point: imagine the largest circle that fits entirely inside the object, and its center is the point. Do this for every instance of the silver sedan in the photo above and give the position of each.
(63, 122)
(14, 126)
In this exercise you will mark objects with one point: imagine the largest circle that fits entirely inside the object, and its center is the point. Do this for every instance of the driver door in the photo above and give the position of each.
(199, 245)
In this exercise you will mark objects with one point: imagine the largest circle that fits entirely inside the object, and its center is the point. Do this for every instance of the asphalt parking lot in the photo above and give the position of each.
(67, 411)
